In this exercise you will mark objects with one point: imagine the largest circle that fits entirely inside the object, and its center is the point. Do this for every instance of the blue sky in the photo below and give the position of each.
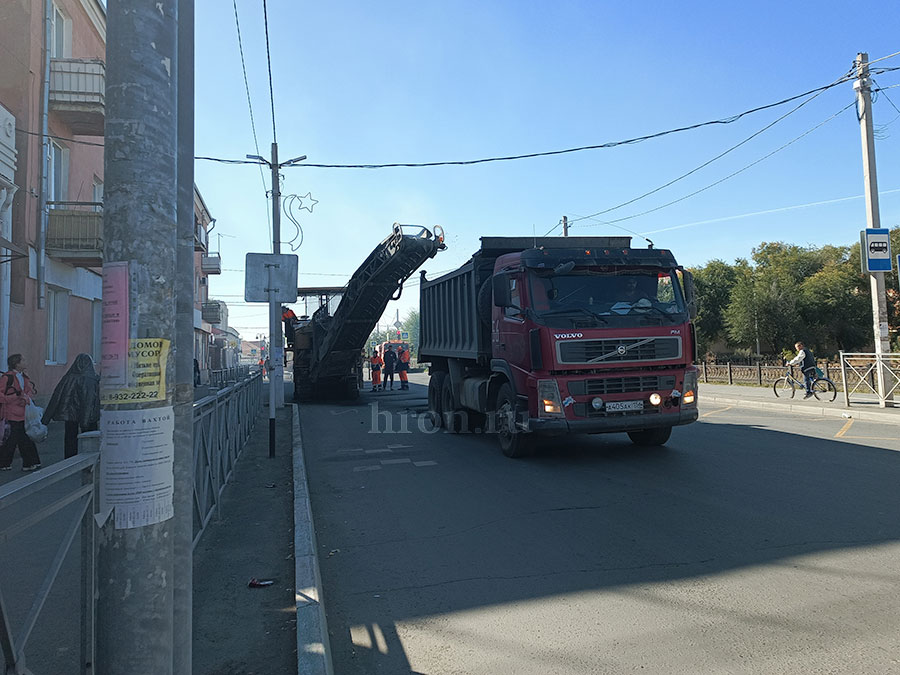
(360, 82)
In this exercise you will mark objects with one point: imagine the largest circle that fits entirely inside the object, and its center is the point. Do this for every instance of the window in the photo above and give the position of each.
(60, 35)
(515, 309)
(58, 173)
(97, 193)
(57, 326)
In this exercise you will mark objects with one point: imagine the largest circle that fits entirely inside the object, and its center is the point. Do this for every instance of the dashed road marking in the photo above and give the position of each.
(425, 463)
(377, 451)
(404, 460)
(371, 467)
(713, 412)
(844, 429)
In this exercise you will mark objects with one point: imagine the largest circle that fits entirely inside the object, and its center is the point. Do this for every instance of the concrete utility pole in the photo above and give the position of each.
(862, 85)
(276, 335)
(183, 523)
(135, 547)
(276, 349)
(565, 226)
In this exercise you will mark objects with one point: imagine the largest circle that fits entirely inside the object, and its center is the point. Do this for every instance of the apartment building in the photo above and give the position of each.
(52, 112)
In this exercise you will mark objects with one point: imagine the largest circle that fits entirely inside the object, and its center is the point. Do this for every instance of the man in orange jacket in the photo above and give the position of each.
(376, 362)
(403, 366)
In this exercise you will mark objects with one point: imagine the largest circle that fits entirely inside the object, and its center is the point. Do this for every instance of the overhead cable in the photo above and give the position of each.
(729, 176)
(262, 177)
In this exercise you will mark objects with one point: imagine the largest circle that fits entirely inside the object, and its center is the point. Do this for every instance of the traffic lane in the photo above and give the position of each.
(847, 429)
(440, 555)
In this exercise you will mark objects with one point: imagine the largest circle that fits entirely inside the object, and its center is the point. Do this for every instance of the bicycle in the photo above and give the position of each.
(822, 388)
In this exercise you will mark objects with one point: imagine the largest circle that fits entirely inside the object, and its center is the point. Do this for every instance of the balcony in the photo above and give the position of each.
(211, 312)
(78, 94)
(211, 263)
(75, 233)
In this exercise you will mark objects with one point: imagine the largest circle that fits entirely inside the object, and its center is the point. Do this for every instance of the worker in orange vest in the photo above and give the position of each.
(403, 366)
(376, 363)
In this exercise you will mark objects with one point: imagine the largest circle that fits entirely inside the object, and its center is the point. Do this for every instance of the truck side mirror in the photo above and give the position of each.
(500, 284)
(690, 297)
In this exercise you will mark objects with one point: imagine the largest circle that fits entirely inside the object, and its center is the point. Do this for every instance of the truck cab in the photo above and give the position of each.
(584, 335)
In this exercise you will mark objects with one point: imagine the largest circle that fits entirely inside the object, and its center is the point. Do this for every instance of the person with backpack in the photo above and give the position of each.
(16, 391)
(76, 401)
(807, 362)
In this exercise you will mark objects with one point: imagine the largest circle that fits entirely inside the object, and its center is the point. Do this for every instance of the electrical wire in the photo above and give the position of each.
(706, 163)
(611, 144)
(237, 24)
(269, 62)
(729, 176)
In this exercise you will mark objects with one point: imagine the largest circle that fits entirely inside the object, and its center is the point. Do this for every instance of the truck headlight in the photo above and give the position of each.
(550, 402)
(690, 388)
(597, 403)
(655, 399)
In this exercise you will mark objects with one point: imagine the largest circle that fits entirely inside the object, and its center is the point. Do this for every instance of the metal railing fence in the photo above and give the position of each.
(855, 374)
(861, 373)
(222, 377)
(222, 425)
(223, 422)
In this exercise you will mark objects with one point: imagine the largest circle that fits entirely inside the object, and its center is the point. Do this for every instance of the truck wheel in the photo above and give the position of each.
(650, 437)
(513, 442)
(454, 418)
(434, 398)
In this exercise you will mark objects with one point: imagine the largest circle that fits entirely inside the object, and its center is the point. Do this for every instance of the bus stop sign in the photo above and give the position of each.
(876, 249)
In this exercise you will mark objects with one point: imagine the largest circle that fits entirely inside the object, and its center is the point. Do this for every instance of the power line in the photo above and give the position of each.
(731, 175)
(269, 61)
(237, 24)
(611, 144)
(702, 166)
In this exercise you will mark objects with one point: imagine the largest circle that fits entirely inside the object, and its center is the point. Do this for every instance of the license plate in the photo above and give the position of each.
(620, 406)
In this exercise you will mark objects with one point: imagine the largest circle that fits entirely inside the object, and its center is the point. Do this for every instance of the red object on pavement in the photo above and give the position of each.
(260, 583)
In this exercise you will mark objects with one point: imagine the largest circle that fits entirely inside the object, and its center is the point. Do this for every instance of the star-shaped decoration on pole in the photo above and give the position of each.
(308, 198)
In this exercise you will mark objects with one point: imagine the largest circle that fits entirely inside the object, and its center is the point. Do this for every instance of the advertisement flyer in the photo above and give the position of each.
(137, 453)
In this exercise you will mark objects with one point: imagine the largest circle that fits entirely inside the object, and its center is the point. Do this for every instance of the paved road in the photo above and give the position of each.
(757, 542)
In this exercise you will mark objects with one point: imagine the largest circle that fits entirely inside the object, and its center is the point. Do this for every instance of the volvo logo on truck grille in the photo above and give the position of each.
(621, 350)
(567, 336)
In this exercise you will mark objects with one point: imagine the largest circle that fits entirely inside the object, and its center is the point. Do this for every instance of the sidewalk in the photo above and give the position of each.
(764, 397)
(240, 630)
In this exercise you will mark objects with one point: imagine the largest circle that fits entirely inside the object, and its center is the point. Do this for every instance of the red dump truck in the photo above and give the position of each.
(560, 335)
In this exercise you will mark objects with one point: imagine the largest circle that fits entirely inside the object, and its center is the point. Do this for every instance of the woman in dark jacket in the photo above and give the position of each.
(76, 401)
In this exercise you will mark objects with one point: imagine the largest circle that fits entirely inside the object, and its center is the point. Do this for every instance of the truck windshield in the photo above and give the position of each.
(630, 297)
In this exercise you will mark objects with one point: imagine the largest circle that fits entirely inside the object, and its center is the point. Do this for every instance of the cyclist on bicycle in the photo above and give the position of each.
(807, 363)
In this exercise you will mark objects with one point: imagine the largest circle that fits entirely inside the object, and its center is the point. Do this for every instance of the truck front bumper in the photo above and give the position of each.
(602, 425)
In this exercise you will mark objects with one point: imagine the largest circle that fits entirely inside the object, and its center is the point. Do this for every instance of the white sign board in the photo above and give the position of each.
(876, 249)
(283, 270)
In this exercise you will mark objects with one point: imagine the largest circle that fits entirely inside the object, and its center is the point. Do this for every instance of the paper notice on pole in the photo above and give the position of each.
(145, 374)
(137, 453)
(114, 340)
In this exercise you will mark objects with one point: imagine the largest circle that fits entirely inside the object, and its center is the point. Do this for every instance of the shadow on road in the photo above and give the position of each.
(588, 513)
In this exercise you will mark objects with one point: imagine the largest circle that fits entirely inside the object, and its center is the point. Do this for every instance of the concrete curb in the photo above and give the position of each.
(313, 646)
(806, 409)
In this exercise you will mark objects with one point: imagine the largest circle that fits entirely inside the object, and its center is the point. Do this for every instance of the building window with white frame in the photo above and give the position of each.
(60, 34)
(58, 174)
(57, 326)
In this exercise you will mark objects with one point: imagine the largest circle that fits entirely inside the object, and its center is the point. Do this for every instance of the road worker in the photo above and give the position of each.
(403, 366)
(376, 363)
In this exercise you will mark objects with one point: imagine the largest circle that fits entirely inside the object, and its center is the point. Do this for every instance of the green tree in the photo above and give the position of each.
(713, 284)
(764, 306)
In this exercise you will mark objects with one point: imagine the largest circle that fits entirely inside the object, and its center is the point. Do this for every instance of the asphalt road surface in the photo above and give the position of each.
(756, 542)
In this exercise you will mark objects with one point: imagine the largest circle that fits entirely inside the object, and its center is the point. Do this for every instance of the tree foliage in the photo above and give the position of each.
(785, 293)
